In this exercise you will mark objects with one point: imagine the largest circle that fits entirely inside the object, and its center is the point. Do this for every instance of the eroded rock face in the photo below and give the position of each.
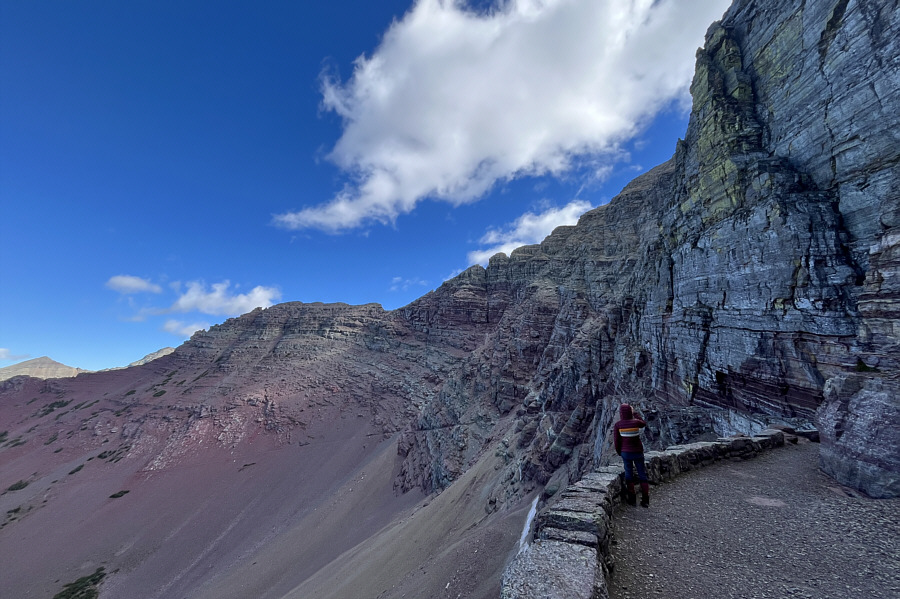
(858, 424)
(757, 265)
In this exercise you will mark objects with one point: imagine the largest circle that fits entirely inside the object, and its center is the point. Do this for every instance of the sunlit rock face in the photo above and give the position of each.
(757, 265)
(41, 368)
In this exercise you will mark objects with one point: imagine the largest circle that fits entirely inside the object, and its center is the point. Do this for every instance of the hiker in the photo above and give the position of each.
(627, 439)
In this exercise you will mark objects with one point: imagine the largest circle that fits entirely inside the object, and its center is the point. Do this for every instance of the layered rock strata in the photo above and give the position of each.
(756, 266)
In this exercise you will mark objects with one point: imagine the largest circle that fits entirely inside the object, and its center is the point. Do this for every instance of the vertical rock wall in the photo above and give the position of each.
(751, 273)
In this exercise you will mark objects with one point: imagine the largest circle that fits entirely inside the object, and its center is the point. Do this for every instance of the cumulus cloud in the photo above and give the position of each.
(219, 301)
(128, 284)
(454, 99)
(183, 329)
(527, 229)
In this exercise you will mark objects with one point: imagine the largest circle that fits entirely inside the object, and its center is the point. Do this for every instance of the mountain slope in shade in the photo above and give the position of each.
(41, 368)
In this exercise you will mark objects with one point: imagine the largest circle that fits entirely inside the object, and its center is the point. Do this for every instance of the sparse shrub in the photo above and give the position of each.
(52, 406)
(863, 367)
(76, 469)
(132, 392)
(159, 393)
(83, 588)
(18, 486)
(118, 494)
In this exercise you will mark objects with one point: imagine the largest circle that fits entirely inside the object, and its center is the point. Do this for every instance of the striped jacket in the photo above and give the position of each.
(627, 431)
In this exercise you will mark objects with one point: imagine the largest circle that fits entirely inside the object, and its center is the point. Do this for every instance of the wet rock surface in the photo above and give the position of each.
(773, 526)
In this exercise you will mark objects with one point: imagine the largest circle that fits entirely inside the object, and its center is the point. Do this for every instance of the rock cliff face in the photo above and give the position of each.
(752, 272)
(750, 280)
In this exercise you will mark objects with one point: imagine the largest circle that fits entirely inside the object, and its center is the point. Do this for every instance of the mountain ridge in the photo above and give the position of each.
(43, 367)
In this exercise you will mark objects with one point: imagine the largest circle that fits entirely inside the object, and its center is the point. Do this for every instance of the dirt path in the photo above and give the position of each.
(773, 526)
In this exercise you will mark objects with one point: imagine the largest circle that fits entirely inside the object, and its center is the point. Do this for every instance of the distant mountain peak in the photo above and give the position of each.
(153, 356)
(39, 368)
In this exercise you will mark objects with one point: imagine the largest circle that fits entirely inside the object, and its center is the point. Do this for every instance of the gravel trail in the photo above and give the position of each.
(772, 526)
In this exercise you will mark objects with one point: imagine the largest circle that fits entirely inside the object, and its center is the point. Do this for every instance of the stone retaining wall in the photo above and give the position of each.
(570, 557)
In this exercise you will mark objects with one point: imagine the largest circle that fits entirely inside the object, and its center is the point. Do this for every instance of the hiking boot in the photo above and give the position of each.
(630, 498)
(645, 500)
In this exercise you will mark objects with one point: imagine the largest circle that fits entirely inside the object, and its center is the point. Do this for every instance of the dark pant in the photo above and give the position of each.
(632, 462)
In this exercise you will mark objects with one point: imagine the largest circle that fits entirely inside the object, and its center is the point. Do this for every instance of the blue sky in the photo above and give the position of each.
(167, 165)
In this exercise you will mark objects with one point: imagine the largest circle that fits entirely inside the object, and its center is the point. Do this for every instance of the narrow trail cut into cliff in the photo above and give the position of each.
(774, 526)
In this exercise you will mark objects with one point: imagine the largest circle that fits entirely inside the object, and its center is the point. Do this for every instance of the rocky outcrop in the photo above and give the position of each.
(858, 424)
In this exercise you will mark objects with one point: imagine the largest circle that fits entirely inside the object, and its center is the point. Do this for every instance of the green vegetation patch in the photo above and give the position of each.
(132, 392)
(83, 588)
(114, 455)
(159, 393)
(863, 367)
(50, 407)
(119, 494)
(51, 439)
(76, 469)
(3, 436)
(18, 486)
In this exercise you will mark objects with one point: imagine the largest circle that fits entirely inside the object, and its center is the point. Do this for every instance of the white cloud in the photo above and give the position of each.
(218, 301)
(527, 229)
(6, 354)
(454, 100)
(183, 329)
(401, 284)
(129, 284)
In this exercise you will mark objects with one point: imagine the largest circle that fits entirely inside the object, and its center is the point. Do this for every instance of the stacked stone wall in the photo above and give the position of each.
(570, 557)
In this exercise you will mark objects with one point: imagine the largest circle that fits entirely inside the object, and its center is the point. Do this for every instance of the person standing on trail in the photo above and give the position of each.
(627, 439)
